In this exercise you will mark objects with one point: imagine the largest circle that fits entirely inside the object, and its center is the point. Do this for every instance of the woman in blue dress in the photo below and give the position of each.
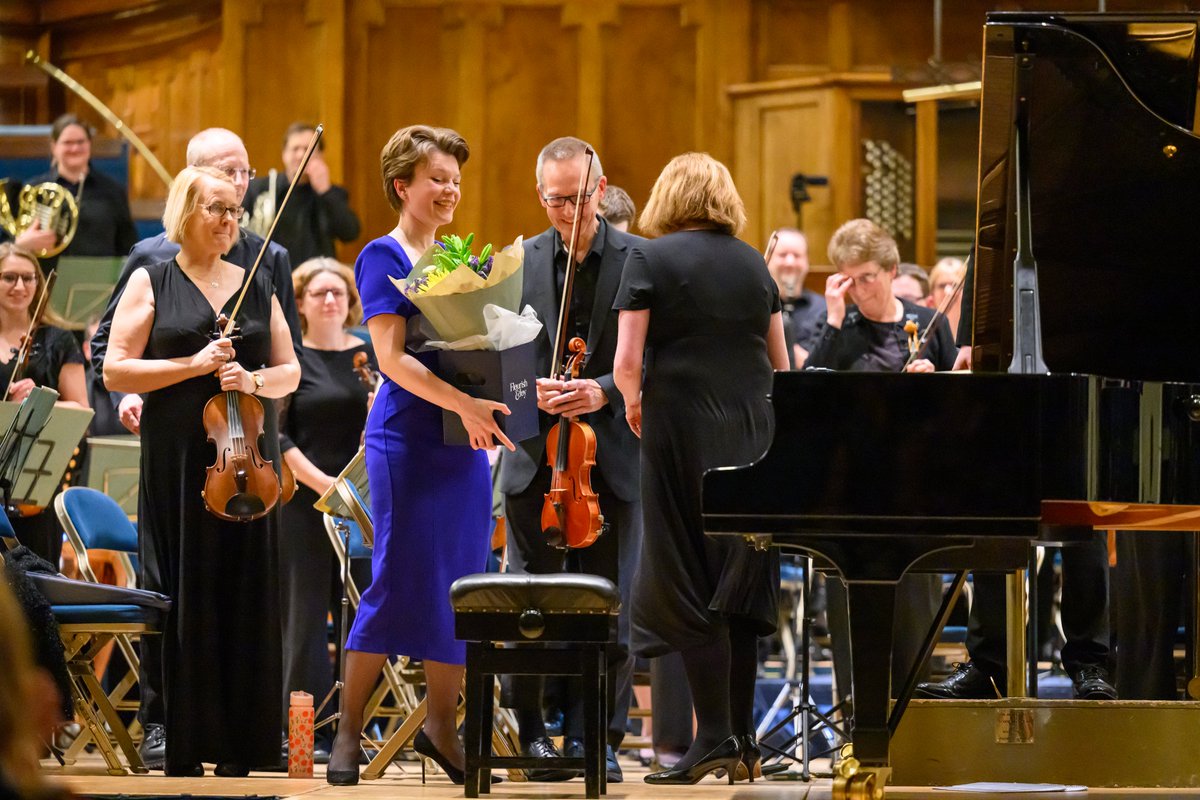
(431, 502)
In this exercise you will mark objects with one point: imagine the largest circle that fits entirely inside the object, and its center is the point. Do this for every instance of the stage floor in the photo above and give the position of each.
(88, 777)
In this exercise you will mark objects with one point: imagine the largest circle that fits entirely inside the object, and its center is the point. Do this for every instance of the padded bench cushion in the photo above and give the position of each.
(101, 614)
(551, 594)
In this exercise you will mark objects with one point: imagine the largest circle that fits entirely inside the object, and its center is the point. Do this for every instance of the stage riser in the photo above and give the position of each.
(1118, 744)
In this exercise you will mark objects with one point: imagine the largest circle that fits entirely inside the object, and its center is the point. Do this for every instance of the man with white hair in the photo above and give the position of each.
(224, 150)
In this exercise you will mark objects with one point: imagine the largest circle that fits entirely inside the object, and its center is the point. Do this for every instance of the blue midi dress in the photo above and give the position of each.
(431, 503)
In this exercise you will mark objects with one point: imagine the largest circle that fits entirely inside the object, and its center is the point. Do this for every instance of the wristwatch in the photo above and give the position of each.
(258, 381)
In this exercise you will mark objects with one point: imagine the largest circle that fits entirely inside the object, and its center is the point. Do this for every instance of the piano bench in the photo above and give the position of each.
(573, 617)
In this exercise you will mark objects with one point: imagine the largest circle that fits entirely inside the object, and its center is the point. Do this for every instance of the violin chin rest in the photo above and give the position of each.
(245, 506)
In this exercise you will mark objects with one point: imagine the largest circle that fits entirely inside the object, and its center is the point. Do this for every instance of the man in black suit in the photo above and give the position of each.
(224, 150)
(594, 399)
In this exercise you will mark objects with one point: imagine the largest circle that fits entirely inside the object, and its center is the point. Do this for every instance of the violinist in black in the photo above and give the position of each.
(320, 427)
(54, 360)
(221, 641)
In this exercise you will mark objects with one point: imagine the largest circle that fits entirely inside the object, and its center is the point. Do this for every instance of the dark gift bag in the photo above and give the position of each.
(503, 375)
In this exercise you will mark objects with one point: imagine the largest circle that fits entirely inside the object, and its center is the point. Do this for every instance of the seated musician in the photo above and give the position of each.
(911, 284)
(868, 335)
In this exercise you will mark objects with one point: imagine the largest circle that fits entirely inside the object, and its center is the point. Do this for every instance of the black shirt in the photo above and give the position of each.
(864, 346)
(52, 347)
(310, 222)
(105, 223)
(579, 318)
(325, 416)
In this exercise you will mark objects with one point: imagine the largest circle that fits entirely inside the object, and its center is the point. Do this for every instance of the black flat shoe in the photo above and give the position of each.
(231, 769)
(184, 770)
(727, 755)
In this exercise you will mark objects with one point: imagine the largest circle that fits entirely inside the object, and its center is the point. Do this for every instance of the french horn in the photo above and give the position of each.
(47, 203)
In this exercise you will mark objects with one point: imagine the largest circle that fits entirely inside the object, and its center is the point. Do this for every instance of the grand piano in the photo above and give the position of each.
(1082, 412)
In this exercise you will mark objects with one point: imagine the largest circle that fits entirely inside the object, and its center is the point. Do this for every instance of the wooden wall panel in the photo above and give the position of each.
(648, 122)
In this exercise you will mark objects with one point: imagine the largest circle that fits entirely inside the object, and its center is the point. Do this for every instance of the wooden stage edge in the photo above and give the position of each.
(88, 777)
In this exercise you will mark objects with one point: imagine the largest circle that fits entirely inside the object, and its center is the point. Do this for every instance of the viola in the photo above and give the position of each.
(571, 512)
(241, 485)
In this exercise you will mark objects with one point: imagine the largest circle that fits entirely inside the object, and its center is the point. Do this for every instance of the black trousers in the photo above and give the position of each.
(310, 590)
(1084, 612)
(614, 556)
(917, 599)
(1154, 593)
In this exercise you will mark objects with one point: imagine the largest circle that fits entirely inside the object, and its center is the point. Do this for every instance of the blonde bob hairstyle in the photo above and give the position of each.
(184, 198)
(409, 148)
(49, 315)
(303, 275)
(694, 190)
(859, 241)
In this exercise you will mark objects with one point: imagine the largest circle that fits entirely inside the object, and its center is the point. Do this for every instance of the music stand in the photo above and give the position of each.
(804, 709)
(25, 423)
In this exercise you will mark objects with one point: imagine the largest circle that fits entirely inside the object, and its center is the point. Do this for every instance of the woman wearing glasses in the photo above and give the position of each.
(221, 642)
(320, 426)
(55, 362)
(868, 335)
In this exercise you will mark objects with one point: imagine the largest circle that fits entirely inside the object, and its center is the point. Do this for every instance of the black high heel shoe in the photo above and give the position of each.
(340, 777)
(751, 766)
(425, 747)
(727, 755)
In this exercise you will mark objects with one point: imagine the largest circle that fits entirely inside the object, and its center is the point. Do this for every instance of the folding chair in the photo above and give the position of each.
(94, 521)
(89, 616)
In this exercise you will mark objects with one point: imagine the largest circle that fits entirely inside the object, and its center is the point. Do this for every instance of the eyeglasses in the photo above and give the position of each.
(320, 294)
(561, 200)
(219, 210)
(237, 172)
(11, 278)
(867, 278)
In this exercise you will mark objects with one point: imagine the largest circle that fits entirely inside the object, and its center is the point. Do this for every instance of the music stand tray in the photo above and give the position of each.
(84, 286)
(114, 467)
(38, 442)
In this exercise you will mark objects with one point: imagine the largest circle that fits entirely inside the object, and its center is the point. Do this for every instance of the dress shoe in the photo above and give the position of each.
(1091, 683)
(153, 749)
(967, 682)
(727, 755)
(751, 766)
(231, 769)
(544, 748)
(573, 748)
(424, 746)
(342, 777)
(183, 770)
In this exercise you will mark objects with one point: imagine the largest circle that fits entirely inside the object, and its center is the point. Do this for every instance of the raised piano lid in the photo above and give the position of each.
(1114, 171)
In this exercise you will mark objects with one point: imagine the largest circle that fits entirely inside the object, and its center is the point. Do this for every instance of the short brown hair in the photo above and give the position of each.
(859, 241)
(13, 250)
(617, 206)
(302, 127)
(183, 198)
(67, 120)
(303, 275)
(693, 189)
(410, 147)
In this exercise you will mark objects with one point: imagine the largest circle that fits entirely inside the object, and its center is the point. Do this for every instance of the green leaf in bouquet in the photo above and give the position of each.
(487, 251)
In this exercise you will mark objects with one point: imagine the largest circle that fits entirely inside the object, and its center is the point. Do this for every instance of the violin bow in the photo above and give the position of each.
(560, 334)
(947, 301)
(312, 145)
(23, 353)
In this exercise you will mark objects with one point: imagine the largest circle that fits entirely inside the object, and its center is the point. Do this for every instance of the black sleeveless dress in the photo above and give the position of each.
(221, 647)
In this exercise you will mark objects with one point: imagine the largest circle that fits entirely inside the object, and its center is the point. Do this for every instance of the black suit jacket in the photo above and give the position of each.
(616, 446)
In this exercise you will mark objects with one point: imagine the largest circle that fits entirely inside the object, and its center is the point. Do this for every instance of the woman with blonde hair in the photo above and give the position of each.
(221, 651)
(320, 425)
(701, 315)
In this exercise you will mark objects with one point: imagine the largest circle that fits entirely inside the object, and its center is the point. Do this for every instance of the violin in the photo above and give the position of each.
(28, 348)
(241, 485)
(571, 511)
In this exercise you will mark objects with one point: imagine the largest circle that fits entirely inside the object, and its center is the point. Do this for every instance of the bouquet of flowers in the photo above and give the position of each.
(451, 285)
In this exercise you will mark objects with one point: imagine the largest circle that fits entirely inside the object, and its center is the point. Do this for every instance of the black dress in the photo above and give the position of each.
(221, 650)
(52, 348)
(704, 404)
(324, 418)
